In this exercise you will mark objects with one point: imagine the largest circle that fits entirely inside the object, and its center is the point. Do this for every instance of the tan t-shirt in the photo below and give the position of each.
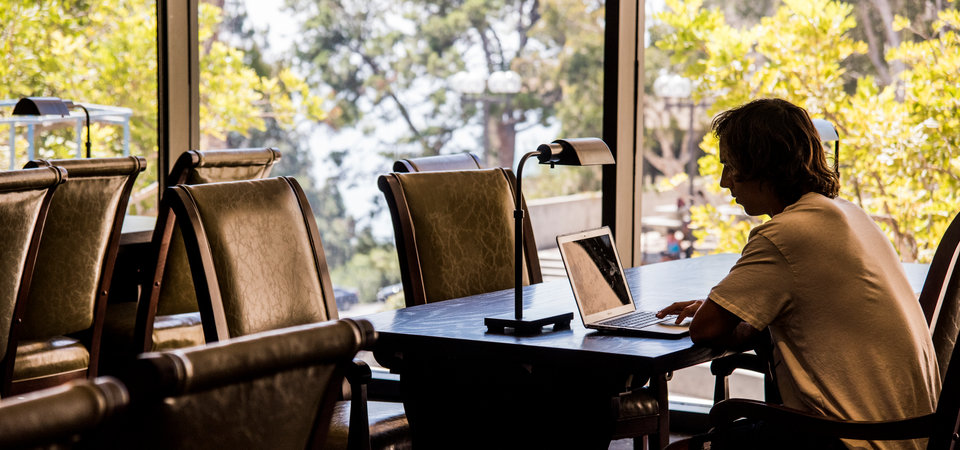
(850, 339)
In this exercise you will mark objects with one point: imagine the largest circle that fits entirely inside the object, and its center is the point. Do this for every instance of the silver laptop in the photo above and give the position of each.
(601, 291)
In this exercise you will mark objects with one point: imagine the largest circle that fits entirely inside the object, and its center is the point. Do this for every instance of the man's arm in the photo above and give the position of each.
(712, 325)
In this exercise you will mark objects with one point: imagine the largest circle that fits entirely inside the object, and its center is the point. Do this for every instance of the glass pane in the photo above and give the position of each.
(101, 55)
(387, 80)
(873, 69)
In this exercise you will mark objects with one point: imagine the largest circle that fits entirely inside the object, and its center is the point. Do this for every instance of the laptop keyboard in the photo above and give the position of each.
(638, 319)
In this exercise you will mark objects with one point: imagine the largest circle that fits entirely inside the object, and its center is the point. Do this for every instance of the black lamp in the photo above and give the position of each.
(42, 106)
(564, 152)
(827, 134)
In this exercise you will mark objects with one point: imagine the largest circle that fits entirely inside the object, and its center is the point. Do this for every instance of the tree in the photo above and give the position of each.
(354, 258)
(399, 61)
(105, 52)
(898, 143)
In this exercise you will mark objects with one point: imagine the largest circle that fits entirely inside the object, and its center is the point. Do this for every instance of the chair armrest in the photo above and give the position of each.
(358, 373)
(730, 410)
(724, 366)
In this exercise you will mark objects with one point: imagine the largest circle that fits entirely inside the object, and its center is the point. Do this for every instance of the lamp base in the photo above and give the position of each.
(528, 325)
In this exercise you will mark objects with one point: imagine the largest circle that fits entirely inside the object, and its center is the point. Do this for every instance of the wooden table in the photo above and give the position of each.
(461, 383)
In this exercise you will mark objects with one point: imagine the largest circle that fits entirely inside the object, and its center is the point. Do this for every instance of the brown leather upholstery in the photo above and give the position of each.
(71, 415)
(455, 231)
(166, 315)
(275, 389)
(258, 264)
(257, 259)
(24, 202)
(459, 161)
(75, 259)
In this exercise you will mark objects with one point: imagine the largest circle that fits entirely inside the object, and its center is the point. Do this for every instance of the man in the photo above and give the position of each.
(849, 338)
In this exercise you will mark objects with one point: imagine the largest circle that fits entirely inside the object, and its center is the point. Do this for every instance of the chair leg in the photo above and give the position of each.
(658, 384)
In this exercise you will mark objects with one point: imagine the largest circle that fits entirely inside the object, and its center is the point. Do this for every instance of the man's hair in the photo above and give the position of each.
(773, 141)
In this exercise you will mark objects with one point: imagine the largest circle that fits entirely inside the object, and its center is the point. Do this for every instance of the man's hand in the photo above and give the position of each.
(681, 309)
(712, 325)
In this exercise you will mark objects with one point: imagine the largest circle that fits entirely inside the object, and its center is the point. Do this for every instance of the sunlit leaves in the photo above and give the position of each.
(898, 143)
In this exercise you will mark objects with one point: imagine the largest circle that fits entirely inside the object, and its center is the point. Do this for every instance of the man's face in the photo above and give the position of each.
(753, 195)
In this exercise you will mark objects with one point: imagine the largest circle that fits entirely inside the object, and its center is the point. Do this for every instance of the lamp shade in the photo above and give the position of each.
(575, 152)
(41, 106)
(826, 130)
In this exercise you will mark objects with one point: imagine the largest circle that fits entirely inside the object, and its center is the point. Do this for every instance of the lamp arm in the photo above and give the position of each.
(87, 113)
(518, 240)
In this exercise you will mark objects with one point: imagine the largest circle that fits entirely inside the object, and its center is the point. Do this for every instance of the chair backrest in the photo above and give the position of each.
(459, 161)
(24, 201)
(255, 255)
(171, 289)
(74, 414)
(454, 232)
(940, 296)
(78, 247)
(947, 417)
(269, 390)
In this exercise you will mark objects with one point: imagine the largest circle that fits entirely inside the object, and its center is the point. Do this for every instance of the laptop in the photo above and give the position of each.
(601, 291)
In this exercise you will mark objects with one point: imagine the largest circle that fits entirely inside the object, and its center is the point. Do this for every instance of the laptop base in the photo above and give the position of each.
(527, 326)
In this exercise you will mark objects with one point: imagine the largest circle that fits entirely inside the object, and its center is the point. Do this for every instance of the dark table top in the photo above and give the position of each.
(457, 324)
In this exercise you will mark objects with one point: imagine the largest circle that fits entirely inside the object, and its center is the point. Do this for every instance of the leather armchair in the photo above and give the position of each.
(24, 202)
(166, 315)
(60, 336)
(258, 264)
(454, 233)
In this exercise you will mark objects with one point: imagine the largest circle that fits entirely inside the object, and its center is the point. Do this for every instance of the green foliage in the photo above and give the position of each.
(90, 52)
(369, 271)
(395, 61)
(898, 142)
(105, 52)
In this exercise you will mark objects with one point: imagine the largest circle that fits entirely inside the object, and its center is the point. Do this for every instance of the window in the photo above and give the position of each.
(345, 88)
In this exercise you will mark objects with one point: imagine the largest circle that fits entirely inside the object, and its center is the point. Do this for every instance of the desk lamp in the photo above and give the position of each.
(563, 152)
(41, 106)
(827, 134)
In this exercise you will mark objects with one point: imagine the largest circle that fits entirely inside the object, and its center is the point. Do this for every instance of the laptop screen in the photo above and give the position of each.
(596, 276)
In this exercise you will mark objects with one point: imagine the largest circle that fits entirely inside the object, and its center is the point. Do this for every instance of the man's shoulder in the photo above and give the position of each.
(811, 216)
